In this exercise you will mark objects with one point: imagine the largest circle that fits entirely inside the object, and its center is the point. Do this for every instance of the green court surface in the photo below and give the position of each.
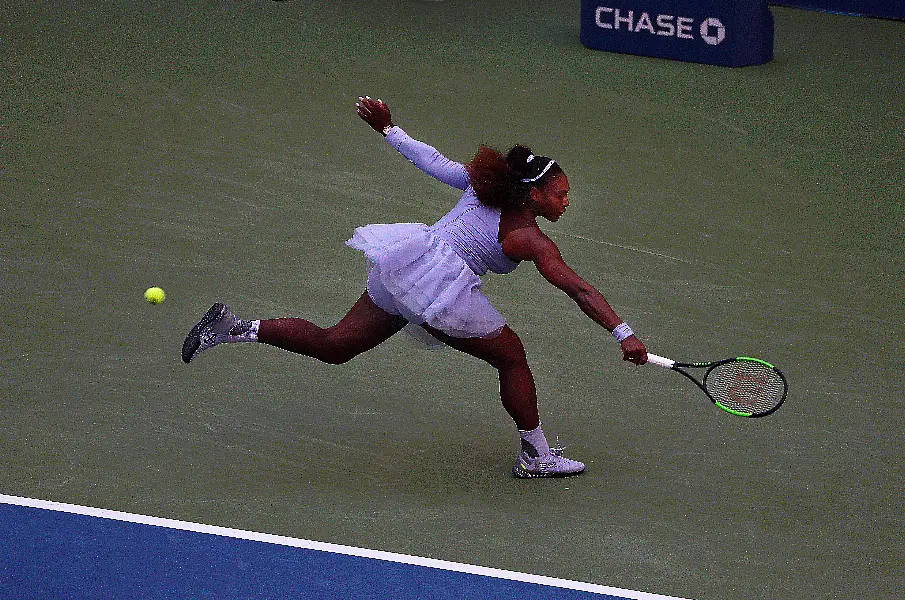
(212, 148)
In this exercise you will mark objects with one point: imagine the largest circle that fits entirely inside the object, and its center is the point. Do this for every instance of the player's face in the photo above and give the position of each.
(552, 198)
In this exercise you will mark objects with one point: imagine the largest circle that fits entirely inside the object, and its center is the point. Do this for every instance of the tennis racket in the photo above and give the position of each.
(743, 386)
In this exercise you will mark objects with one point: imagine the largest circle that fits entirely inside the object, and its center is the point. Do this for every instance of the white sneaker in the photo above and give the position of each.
(549, 465)
(216, 326)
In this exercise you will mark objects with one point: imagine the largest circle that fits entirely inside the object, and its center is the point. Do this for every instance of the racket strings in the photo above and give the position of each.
(747, 387)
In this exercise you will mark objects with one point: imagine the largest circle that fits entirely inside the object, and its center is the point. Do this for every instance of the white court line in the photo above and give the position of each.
(324, 547)
(620, 246)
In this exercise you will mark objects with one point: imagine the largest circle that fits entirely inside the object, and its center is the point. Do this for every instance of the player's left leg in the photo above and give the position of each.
(365, 326)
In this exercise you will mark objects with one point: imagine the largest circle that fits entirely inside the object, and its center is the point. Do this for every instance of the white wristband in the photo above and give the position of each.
(622, 332)
(387, 130)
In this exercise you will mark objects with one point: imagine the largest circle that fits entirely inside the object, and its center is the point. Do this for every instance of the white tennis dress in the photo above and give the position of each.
(431, 274)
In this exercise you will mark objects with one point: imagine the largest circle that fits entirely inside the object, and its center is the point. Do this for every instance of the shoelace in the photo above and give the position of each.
(557, 450)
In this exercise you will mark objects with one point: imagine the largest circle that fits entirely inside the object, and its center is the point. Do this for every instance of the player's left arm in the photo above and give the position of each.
(427, 158)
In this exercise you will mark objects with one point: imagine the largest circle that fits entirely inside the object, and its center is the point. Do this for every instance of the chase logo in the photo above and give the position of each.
(711, 30)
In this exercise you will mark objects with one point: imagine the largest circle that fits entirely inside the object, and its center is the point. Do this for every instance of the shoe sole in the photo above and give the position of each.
(520, 472)
(193, 339)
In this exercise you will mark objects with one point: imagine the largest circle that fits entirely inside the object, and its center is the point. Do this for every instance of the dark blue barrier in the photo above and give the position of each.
(890, 9)
(732, 33)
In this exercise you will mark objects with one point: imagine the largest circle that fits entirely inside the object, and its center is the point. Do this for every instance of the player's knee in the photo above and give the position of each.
(510, 360)
(336, 349)
(337, 358)
(509, 352)
(336, 355)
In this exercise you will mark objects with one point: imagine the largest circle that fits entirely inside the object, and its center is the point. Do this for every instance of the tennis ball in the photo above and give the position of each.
(155, 295)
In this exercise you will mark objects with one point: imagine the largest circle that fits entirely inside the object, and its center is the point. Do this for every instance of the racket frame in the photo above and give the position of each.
(679, 367)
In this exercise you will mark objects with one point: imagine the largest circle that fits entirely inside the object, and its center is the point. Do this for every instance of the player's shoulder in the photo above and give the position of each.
(522, 239)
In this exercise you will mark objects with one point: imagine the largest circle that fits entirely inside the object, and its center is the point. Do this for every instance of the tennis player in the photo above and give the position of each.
(429, 277)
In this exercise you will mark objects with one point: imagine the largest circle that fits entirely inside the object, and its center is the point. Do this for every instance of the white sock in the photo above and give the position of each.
(243, 331)
(534, 442)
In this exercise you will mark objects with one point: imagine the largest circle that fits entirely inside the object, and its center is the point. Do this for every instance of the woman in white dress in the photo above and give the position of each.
(429, 277)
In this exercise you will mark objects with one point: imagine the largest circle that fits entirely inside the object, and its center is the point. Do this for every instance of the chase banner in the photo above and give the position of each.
(731, 33)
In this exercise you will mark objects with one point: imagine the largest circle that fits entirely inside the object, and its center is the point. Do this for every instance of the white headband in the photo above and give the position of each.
(539, 175)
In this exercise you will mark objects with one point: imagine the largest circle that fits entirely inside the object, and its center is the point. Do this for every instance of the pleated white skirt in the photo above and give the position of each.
(414, 273)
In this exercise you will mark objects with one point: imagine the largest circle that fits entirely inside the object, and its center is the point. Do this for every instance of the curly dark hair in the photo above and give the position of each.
(497, 179)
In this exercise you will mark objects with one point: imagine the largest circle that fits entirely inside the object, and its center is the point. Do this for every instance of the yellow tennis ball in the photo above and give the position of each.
(155, 295)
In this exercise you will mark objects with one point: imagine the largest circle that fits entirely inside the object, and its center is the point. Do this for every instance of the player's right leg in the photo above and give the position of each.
(506, 353)
(364, 327)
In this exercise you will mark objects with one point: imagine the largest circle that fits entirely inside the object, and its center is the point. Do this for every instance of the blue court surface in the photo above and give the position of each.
(53, 550)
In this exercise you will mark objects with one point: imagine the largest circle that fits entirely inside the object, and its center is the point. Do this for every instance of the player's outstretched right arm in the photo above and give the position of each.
(530, 243)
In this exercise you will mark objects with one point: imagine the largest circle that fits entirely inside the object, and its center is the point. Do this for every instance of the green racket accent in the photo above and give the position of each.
(732, 411)
(757, 360)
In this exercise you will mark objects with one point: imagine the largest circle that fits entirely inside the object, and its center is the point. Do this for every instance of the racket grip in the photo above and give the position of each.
(660, 361)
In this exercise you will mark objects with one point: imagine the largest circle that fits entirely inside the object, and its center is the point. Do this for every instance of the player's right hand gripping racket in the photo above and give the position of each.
(743, 386)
